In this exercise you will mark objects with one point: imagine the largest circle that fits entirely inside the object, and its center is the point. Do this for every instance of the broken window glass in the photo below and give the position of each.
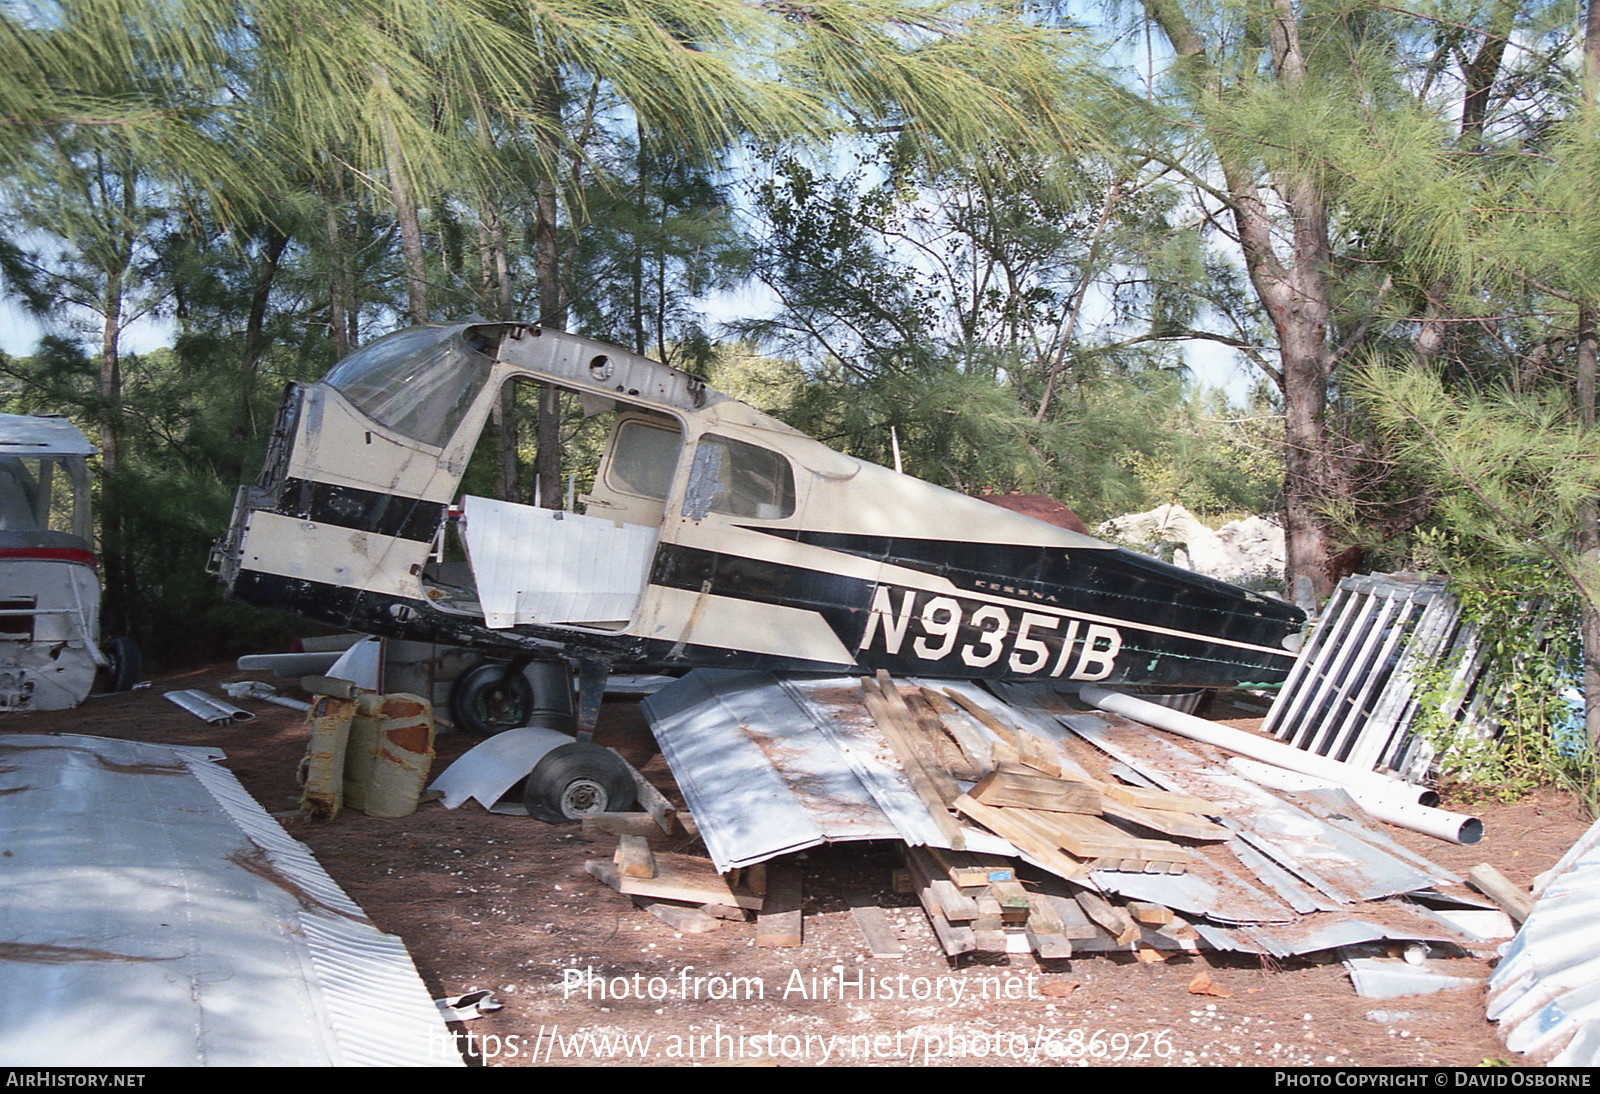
(744, 480)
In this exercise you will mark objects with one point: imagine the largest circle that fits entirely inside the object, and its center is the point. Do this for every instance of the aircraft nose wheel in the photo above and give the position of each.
(578, 780)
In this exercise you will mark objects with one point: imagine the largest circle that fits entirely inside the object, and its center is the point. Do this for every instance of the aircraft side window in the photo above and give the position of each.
(644, 458)
(739, 479)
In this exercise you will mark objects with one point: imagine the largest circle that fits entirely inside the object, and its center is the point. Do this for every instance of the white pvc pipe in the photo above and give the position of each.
(1257, 748)
(1452, 827)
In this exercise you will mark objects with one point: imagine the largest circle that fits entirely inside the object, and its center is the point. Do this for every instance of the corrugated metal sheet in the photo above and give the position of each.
(757, 774)
(769, 766)
(1545, 993)
(156, 916)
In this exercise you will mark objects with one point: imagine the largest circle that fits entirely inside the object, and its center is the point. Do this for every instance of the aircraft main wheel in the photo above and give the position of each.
(577, 780)
(125, 664)
(491, 697)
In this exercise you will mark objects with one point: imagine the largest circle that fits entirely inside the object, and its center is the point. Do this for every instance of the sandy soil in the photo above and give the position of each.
(504, 903)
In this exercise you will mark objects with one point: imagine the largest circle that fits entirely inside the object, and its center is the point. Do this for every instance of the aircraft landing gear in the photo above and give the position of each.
(494, 696)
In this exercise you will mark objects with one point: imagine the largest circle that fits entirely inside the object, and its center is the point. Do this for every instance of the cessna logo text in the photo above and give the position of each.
(940, 627)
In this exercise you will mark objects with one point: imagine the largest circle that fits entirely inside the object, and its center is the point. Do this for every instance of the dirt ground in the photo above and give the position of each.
(503, 903)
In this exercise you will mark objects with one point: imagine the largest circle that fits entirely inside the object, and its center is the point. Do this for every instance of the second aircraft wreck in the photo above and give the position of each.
(709, 534)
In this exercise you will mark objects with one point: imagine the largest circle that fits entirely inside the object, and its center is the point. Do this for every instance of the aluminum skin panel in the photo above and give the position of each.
(156, 916)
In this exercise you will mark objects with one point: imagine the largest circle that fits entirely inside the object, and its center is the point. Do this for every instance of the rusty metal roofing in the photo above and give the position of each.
(770, 765)
(1545, 993)
(156, 916)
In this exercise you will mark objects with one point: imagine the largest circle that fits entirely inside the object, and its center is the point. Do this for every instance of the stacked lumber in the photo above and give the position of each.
(688, 893)
(1024, 789)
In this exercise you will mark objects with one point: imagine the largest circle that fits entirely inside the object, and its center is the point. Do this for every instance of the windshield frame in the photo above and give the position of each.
(420, 382)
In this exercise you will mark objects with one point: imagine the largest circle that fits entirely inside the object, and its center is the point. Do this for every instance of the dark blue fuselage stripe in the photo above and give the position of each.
(361, 510)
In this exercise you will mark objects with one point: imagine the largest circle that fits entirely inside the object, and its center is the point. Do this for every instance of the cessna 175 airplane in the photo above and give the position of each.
(709, 534)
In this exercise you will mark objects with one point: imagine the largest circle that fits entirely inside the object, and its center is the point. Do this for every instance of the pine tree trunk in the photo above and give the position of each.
(1291, 287)
(495, 300)
(341, 287)
(255, 334)
(552, 294)
(1588, 352)
(405, 210)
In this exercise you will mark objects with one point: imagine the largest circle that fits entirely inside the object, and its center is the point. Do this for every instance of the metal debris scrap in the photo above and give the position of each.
(177, 925)
(1177, 852)
(1545, 993)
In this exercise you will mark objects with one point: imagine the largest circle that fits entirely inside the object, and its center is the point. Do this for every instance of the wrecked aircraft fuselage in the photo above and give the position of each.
(708, 534)
(49, 587)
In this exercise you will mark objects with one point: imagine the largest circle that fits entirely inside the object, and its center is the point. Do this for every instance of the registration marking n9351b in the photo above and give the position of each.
(1030, 642)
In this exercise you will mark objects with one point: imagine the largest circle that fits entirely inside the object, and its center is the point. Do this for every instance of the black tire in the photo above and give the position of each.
(491, 697)
(125, 664)
(576, 780)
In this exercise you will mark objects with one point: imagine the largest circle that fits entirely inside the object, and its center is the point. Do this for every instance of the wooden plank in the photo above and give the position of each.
(725, 911)
(1091, 837)
(1146, 798)
(874, 927)
(952, 903)
(1117, 922)
(1005, 824)
(1013, 900)
(989, 941)
(1008, 788)
(651, 800)
(1050, 947)
(951, 755)
(1047, 935)
(1042, 916)
(1004, 732)
(953, 940)
(605, 872)
(1167, 822)
(781, 922)
(934, 794)
(969, 869)
(679, 917)
(693, 880)
(982, 751)
(1074, 922)
(600, 825)
(1511, 897)
(1151, 915)
(633, 857)
(921, 739)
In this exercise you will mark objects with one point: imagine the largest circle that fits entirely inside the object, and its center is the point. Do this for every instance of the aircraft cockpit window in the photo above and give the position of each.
(44, 494)
(644, 458)
(750, 481)
(418, 382)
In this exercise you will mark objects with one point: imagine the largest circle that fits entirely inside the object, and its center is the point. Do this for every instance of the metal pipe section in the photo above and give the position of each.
(1452, 827)
(255, 689)
(1257, 748)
